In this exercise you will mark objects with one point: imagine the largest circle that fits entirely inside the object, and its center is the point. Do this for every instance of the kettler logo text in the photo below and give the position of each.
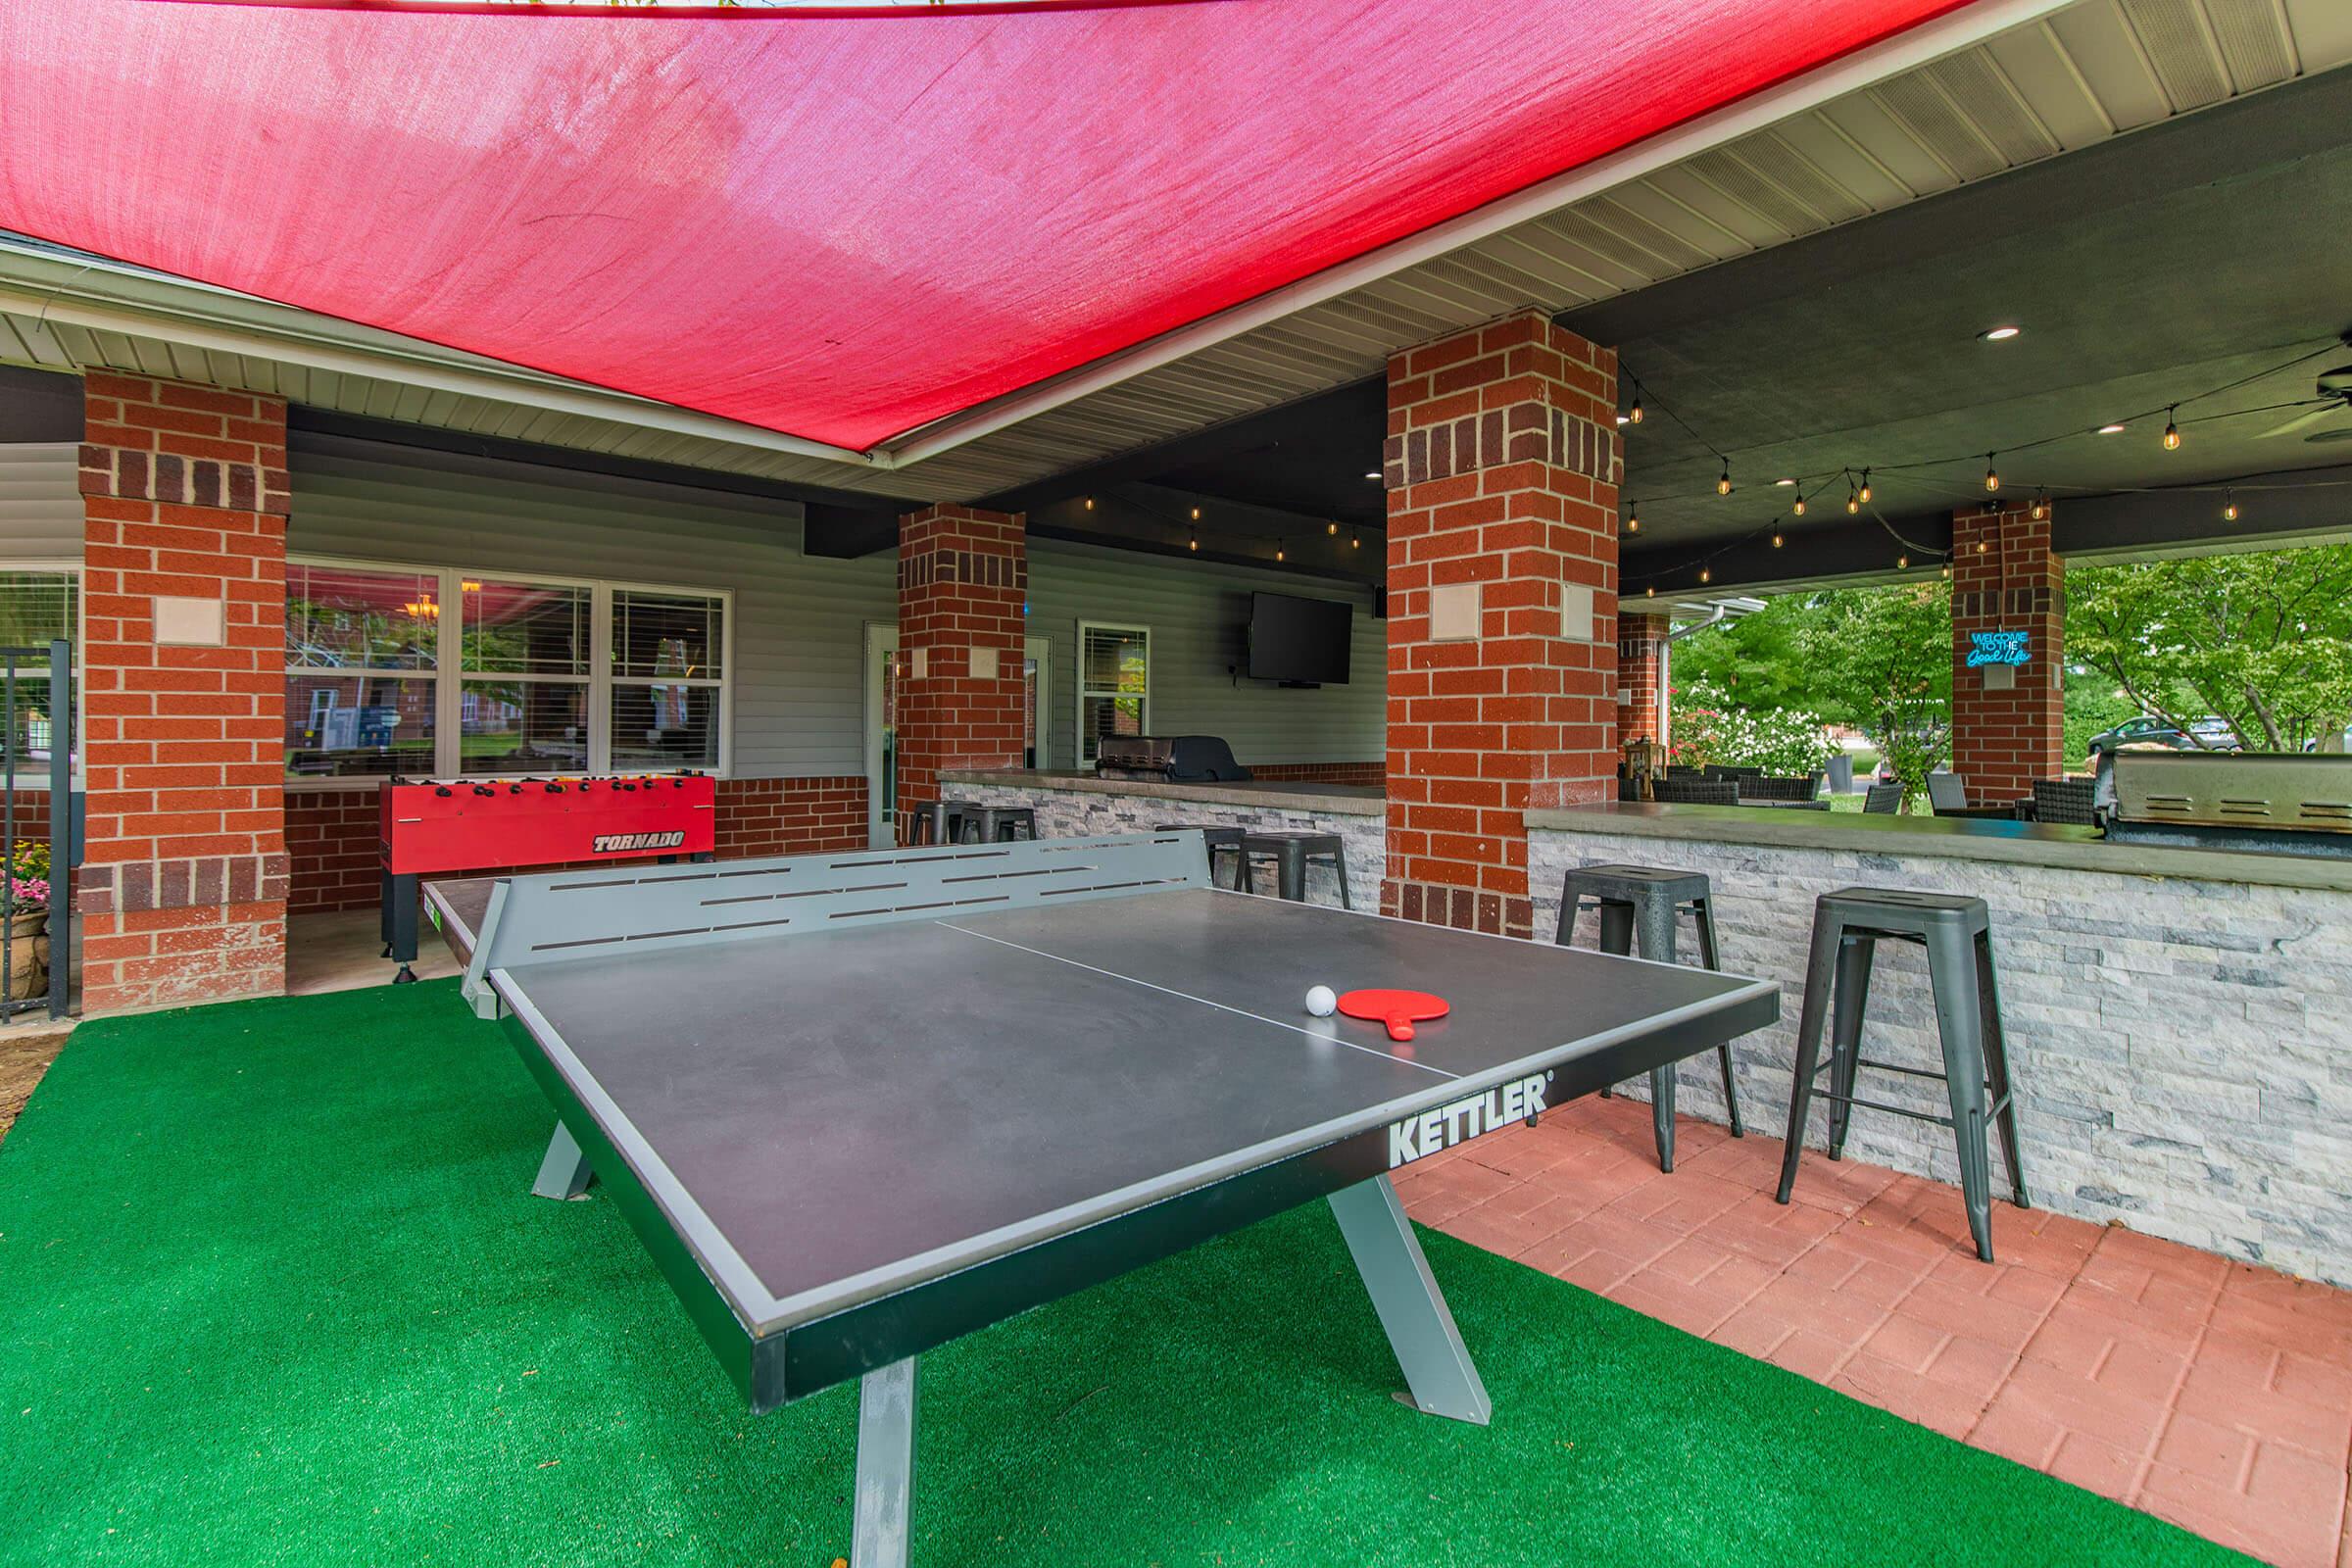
(617, 842)
(1465, 1119)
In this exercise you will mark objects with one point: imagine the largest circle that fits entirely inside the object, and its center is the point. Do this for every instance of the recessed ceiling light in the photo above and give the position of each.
(1621, 419)
(1374, 475)
(1998, 334)
(2111, 429)
(1783, 482)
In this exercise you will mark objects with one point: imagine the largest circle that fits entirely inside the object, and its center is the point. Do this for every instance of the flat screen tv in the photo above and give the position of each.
(1300, 641)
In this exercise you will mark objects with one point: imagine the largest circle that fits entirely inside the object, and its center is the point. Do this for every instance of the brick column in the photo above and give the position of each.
(1502, 463)
(1640, 677)
(183, 881)
(2006, 578)
(964, 583)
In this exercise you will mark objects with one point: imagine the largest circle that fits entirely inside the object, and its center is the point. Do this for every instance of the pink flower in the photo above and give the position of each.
(30, 890)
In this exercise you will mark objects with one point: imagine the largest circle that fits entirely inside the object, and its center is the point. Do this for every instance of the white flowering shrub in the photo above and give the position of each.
(1708, 729)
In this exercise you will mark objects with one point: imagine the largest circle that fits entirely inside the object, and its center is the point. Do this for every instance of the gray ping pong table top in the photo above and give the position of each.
(824, 1120)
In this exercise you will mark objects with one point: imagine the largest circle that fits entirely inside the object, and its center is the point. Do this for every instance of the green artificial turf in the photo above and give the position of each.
(273, 1291)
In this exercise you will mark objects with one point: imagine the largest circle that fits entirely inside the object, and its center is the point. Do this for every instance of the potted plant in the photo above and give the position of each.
(27, 919)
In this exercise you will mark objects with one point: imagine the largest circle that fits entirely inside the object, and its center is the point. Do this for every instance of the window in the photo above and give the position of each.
(36, 607)
(522, 674)
(1114, 684)
(363, 656)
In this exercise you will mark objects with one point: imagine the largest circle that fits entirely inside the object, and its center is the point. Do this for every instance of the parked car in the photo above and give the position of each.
(2207, 734)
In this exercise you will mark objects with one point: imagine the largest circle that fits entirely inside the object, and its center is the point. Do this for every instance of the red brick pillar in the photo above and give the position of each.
(1502, 463)
(1640, 677)
(183, 880)
(2006, 578)
(963, 585)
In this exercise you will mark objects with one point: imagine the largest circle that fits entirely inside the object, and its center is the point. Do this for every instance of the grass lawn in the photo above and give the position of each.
(272, 1292)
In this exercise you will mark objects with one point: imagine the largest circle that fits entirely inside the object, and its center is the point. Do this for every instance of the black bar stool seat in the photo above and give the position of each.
(1639, 907)
(1293, 850)
(996, 824)
(1221, 841)
(1957, 931)
(938, 821)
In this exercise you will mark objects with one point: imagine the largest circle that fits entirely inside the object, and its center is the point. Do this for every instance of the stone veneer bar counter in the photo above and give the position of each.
(2179, 1020)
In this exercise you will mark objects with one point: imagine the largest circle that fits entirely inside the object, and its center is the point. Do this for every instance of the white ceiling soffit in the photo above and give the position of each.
(1990, 87)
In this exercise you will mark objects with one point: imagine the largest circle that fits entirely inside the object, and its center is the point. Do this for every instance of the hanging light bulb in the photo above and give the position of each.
(1983, 546)
(1863, 495)
(2171, 431)
(1722, 486)
(1649, 592)
(1090, 503)
(1355, 541)
(1992, 480)
(1632, 521)
(2229, 511)
(1632, 415)
(1944, 571)
(1799, 508)
(1777, 541)
(1705, 574)
(1332, 529)
(1195, 513)
(2042, 505)
(1193, 543)
(1902, 563)
(1281, 551)
(1853, 497)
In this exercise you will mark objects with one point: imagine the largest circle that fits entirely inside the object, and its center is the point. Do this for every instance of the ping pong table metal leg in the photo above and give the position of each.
(564, 1172)
(1437, 1366)
(883, 1510)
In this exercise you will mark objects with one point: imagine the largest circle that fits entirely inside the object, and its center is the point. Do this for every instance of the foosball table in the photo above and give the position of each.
(436, 827)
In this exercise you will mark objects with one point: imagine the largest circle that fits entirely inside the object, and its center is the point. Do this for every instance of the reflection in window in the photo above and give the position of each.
(346, 726)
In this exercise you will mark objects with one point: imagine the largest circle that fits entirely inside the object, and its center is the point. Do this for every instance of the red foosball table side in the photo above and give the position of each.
(438, 827)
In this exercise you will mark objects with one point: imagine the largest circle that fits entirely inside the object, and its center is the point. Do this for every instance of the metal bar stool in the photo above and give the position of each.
(1957, 933)
(1221, 841)
(996, 824)
(938, 821)
(1293, 850)
(1639, 905)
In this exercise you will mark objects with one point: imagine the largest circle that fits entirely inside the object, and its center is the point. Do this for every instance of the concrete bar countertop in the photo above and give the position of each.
(2078, 849)
(1345, 800)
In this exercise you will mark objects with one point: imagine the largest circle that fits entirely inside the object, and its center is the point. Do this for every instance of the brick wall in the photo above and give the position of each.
(183, 884)
(2006, 578)
(1503, 461)
(1374, 774)
(963, 582)
(331, 834)
(1640, 687)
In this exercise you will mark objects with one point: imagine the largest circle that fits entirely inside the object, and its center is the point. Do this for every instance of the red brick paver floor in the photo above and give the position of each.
(2209, 1392)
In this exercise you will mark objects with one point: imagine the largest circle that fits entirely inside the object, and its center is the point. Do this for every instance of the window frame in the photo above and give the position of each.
(39, 778)
(1082, 740)
(449, 654)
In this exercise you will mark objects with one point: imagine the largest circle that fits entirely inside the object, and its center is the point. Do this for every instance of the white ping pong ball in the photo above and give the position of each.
(1320, 1003)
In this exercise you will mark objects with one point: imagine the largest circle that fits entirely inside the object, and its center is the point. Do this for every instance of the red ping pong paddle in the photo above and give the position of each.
(1398, 1009)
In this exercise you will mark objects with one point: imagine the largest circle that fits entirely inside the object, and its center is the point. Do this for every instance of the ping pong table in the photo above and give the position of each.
(856, 1106)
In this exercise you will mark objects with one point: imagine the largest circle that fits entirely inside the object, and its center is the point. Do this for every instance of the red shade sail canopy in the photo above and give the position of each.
(837, 227)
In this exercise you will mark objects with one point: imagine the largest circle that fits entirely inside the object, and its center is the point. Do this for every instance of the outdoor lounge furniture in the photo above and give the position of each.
(1639, 905)
(1848, 927)
(2064, 799)
(1883, 800)
(1946, 792)
(1293, 850)
(1695, 792)
(1221, 841)
(1763, 787)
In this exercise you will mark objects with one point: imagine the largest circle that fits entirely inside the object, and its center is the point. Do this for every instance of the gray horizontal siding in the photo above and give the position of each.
(799, 622)
(40, 501)
(1199, 615)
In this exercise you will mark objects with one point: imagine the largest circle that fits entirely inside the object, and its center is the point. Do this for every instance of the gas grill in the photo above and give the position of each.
(1168, 759)
(2266, 803)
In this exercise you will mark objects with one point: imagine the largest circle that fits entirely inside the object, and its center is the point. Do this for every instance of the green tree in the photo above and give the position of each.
(1881, 660)
(2262, 640)
(1759, 660)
